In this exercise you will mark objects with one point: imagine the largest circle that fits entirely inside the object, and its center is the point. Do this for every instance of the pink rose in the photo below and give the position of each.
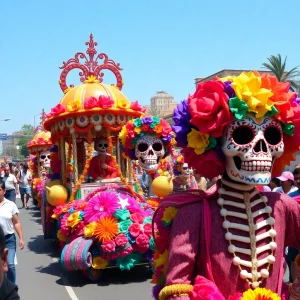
(209, 108)
(57, 110)
(136, 106)
(121, 240)
(208, 164)
(134, 229)
(137, 218)
(142, 242)
(105, 101)
(90, 102)
(109, 246)
(148, 229)
(205, 289)
(166, 127)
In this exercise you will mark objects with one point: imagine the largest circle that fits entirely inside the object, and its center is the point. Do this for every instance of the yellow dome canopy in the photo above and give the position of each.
(41, 141)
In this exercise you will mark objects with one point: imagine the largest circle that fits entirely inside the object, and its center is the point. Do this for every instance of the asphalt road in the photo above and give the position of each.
(39, 275)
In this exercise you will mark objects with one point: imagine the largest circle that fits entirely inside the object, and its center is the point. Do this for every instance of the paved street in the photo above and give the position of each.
(39, 275)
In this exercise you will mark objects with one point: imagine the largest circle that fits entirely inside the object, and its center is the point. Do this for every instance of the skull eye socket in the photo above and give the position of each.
(142, 147)
(43, 156)
(242, 135)
(272, 135)
(157, 146)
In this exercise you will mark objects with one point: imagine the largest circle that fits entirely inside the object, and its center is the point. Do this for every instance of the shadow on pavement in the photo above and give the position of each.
(41, 246)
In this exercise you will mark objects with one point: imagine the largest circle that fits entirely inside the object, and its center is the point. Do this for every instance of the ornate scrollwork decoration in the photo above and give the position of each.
(90, 67)
(43, 118)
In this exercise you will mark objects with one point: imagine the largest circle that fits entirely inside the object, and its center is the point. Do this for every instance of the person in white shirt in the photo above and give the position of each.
(11, 185)
(287, 183)
(9, 221)
(25, 183)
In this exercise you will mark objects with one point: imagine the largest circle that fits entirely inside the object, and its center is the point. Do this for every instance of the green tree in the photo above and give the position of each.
(278, 67)
(27, 131)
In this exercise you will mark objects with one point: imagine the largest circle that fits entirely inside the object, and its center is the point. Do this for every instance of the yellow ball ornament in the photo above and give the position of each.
(56, 195)
(162, 186)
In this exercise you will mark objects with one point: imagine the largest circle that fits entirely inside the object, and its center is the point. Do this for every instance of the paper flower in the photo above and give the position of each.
(89, 230)
(106, 229)
(136, 106)
(108, 246)
(90, 102)
(122, 214)
(238, 107)
(124, 225)
(74, 219)
(121, 240)
(260, 293)
(99, 263)
(61, 236)
(248, 87)
(169, 215)
(73, 105)
(57, 110)
(129, 261)
(197, 141)
(101, 205)
(209, 108)
(105, 102)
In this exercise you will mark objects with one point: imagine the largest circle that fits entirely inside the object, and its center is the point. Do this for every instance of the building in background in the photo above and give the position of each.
(161, 104)
(10, 145)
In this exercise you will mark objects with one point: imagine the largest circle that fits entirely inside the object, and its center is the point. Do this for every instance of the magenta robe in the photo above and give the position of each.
(187, 244)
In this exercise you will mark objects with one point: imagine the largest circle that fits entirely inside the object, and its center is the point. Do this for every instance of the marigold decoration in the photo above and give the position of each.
(106, 229)
(89, 230)
(134, 129)
(199, 121)
(260, 294)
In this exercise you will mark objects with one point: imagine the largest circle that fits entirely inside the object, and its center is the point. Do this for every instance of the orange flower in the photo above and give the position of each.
(282, 98)
(106, 229)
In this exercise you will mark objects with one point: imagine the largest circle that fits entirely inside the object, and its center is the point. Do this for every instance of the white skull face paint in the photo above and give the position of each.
(101, 145)
(250, 148)
(45, 159)
(185, 171)
(149, 150)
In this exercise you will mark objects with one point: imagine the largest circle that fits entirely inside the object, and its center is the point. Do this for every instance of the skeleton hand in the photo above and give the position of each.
(104, 166)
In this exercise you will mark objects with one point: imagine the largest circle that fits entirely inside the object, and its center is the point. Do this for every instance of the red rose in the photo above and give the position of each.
(209, 108)
(148, 229)
(136, 106)
(105, 101)
(90, 102)
(130, 126)
(144, 128)
(58, 109)
(205, 289)
(208, 164)
(134, 229)
(137, 218)
(142, 242)
(109, 246)
(121, 240)
(166, 128)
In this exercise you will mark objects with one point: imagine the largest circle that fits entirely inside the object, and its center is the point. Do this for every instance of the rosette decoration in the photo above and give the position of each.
(178, 162)
(119, 225)
(200, 120)
(137, 128)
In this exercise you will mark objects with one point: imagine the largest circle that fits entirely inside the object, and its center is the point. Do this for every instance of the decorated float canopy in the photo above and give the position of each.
(93, 104)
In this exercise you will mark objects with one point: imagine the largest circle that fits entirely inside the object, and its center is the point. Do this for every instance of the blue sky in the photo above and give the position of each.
(160, 44)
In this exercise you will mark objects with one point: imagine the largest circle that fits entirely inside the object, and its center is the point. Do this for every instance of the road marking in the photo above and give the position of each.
(69, 289)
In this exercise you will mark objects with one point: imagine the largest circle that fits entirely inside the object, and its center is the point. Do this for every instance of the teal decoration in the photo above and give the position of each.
(137, 122)
(238, 107)
(124, 225)
(152, 244)
(212, 143)
(122, 214)
(288, 129)
(129, 261)
(156, 120)
(272, 112)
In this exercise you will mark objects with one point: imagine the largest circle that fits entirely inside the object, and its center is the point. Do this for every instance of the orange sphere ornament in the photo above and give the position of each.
(56, 195)
(162, 186)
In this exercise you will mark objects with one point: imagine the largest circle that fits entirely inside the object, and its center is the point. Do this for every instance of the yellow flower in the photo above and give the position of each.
(169, 214)
(198, 141)
(61, 237)
(260, 293)
(123, 135)
(247, 87)
(91, 79)
(137, 130)
(55, 216)
(99, 263)
(73, 219)
(89, 230)
(73, 105)
(162, 259)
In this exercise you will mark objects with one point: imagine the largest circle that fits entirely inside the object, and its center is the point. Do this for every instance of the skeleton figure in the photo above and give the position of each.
(149, 151)
(45, 159)
(248, 231)
(102, 165)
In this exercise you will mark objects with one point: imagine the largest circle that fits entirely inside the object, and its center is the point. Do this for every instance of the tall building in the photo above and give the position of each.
(161, 104)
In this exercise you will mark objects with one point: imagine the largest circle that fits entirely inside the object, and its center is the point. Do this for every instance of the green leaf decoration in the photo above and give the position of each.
(272, 112)
(238, 107)
(288, 129)
(212, 143)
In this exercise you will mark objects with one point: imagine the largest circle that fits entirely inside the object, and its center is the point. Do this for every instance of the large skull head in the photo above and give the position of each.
(101, 145)
(149, 150)
(45, 159)
(250, 148)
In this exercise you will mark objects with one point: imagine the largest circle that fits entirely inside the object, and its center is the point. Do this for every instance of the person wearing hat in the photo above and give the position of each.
(25, 182)
(287, 183)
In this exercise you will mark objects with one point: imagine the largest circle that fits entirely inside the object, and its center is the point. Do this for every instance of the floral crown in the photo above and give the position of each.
(200, 120)
(178, 162)
(137, 128)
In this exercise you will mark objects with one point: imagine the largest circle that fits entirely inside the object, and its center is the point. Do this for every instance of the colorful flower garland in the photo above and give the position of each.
(135, 129)
(177, 165)
(200, 120)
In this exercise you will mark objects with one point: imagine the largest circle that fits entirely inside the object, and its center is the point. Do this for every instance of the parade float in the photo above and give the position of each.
(39, 149)
(91, 206)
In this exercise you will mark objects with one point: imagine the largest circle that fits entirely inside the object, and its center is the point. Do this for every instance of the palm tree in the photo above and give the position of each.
(278, 68)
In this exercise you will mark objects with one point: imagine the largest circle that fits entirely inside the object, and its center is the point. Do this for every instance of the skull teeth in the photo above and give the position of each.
(256, 165)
